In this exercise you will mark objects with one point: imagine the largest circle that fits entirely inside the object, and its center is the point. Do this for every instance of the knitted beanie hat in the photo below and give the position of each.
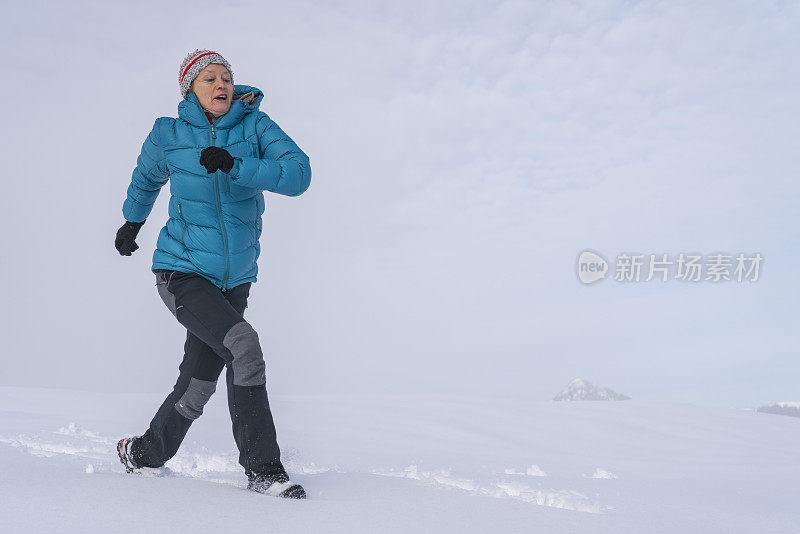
(194, 63)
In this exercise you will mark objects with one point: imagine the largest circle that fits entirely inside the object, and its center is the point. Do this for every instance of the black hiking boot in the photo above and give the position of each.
(124, 452)
(275, 484)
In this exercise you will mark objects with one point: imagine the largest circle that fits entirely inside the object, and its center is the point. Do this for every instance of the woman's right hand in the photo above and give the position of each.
(126, 237)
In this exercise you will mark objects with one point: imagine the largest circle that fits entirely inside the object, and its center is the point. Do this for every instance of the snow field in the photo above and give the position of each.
(427, 464)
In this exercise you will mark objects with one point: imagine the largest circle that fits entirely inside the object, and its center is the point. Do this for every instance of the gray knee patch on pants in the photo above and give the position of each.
(190, 405)
(248, 360)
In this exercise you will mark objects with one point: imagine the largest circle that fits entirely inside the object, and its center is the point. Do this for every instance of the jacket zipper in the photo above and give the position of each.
(183, 221)
(219, 214)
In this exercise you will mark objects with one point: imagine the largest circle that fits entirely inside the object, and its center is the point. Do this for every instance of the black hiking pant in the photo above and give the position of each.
(217, 337)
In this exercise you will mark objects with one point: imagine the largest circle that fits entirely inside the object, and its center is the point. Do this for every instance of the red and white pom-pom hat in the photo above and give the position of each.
(194, 63)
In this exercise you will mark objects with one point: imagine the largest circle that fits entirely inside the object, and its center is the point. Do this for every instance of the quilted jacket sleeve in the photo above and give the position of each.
(148, 178)
(282, 168)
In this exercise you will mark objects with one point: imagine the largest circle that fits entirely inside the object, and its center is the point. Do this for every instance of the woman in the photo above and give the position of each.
(219, 155)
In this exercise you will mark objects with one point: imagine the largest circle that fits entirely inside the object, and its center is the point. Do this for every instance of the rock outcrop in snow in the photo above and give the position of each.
(580, 389)
(782, 408)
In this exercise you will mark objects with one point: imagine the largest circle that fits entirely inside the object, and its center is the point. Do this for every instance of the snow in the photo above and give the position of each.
(602, 473)
(580, 389)
(403, 464)
(791, 409)
(534, 471)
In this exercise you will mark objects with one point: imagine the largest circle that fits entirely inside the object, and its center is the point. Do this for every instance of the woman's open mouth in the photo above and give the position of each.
(221, 98)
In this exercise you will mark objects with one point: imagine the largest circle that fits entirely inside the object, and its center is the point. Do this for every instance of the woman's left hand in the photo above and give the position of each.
(214, 157)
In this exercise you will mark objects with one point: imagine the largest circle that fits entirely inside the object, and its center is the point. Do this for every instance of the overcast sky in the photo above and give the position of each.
(463, 155)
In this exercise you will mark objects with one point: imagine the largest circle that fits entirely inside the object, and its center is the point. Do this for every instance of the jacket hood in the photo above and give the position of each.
(190, 110)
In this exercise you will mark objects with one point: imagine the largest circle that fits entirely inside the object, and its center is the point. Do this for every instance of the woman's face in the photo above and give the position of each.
(214, 89)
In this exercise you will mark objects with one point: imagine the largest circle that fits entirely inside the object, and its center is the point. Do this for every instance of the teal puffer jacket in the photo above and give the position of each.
(214, 219)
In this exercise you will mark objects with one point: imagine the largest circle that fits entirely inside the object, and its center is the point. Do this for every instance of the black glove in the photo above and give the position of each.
(214, 157)
(125, 237)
